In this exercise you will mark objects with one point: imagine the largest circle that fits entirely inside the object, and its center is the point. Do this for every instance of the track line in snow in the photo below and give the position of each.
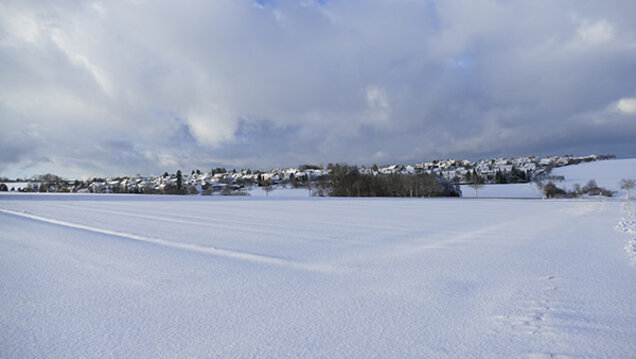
(215, 222)
(255, 219)
(220, 252)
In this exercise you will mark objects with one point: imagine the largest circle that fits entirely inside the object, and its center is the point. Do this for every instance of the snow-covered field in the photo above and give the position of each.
(512, 190)
(162, 276)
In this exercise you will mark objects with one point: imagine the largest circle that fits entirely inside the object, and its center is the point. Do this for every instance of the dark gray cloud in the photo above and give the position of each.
(94, 88)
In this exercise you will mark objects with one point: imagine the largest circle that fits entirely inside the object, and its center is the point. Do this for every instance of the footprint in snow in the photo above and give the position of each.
(533, 311)
(627, 224)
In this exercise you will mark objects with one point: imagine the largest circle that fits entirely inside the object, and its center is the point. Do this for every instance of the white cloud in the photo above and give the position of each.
(279, 15)
(82, 61)
(377, 98)
(378, 108)
(627, 106)
(597, 32)
(211, 127)
(98, 7)
(24, 28)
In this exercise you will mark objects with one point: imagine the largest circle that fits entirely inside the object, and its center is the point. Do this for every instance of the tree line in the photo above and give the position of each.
(348, 181)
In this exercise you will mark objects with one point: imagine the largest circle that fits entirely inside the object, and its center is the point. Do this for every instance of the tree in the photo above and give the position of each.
(308, 185)
(517, 176)
(628, 184)
(476, 182)
(500, 178)
(267, 186)
(179, 180)
(303, 168)
(348, 181)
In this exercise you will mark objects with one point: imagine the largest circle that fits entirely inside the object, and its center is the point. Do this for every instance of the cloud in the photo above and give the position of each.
(278, 83)
(627, 106)
(80, 60)
(595, 33)
(379, 110)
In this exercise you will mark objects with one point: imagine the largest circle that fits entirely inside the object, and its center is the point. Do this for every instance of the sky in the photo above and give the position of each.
(107, 88)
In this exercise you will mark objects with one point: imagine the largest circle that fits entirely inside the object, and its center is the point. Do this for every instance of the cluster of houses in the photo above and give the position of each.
(457, 170)
(221, 181)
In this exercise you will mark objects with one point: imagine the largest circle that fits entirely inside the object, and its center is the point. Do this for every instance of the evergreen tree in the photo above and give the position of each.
(179, 180)
(468, 177)
(500, 178)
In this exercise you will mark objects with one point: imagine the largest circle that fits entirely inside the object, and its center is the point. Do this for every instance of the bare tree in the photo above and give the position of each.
(627, 184)
(308, 185)
(476, 182)
(267, 186)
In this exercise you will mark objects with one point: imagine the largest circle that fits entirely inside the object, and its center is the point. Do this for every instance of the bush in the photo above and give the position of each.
(592, 189)
(174, 190)
(149, 190)
(550, 190)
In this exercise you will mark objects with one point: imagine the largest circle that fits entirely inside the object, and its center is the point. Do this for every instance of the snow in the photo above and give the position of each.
(606, 173)
(171, 276)
(513, 190)
(280, 192)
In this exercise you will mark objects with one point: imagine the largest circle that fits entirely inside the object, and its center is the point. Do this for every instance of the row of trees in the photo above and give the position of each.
(477, 181)
(347, 181)
(591, 188)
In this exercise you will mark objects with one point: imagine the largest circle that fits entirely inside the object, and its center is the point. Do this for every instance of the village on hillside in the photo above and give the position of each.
(238, 182)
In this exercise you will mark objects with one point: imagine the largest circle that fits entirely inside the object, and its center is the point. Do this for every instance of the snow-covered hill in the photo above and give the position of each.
(606, 173)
